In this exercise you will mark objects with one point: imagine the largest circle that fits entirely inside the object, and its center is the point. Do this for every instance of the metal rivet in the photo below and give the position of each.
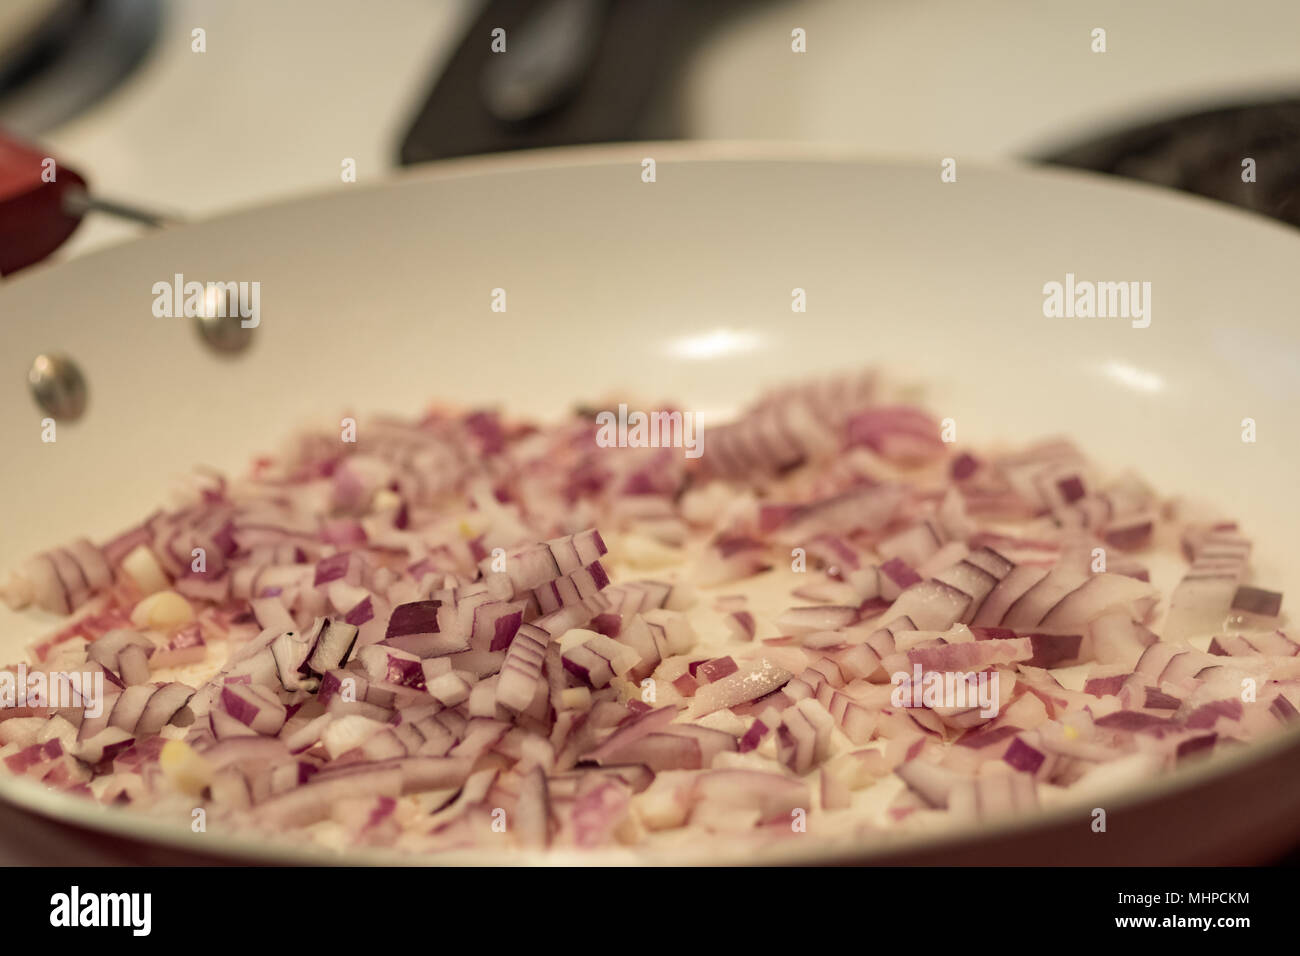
(58, 387)
(221, 325)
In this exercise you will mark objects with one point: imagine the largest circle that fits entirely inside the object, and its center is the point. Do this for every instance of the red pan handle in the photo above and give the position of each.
(34, 217)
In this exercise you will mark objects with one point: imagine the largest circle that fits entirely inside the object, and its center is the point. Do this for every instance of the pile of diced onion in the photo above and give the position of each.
(420, 639)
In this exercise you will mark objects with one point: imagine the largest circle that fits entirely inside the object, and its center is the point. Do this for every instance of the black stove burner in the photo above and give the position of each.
(1203, 153)
(609, 83)
(74, 58)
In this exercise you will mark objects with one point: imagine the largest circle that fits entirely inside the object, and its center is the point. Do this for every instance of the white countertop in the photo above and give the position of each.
(288, 89)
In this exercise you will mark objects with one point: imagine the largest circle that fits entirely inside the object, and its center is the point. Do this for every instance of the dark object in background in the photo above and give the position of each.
(1202, 153)
(574, 71)
(23, 52)
(72, 59)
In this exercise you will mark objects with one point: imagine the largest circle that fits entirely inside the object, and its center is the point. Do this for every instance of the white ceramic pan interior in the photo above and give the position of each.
(377, 297)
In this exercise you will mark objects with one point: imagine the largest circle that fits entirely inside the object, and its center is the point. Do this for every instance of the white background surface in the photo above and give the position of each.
(986, 78)
(288, 88)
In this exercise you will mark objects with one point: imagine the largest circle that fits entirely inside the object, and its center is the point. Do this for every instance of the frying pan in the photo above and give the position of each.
(378, 298)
